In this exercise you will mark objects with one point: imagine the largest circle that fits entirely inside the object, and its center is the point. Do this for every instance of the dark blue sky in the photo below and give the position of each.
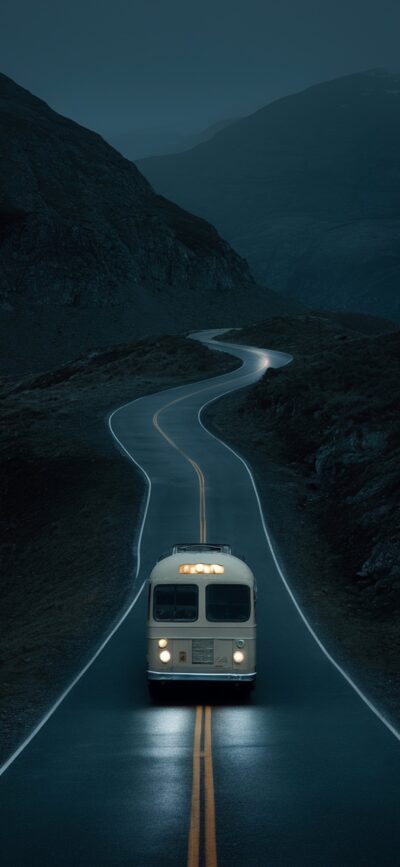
(116, 65)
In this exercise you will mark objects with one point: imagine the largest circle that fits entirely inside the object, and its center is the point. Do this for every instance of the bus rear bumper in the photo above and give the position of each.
(231, 677)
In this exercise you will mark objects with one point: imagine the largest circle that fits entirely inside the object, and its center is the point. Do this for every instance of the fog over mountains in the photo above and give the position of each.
(308, 189)
(140, 143)
(90, 254)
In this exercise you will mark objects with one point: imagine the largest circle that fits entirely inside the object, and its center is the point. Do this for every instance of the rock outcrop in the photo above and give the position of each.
(333, 418)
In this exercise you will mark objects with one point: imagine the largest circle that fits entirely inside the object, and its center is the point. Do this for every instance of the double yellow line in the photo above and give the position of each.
(202, 782)
(203, 778)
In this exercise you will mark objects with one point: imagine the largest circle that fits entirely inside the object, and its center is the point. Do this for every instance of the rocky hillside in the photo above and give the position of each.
(334, 413)
(308, 189)
(323, 437)
(89, 253)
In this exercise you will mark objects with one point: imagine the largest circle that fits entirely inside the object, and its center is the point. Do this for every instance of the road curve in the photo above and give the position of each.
(302, 774)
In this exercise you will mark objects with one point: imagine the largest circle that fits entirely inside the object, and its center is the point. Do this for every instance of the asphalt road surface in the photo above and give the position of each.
(302, 773)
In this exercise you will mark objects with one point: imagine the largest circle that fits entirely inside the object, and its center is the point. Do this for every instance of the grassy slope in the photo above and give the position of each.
(69, 509)
(324, 437)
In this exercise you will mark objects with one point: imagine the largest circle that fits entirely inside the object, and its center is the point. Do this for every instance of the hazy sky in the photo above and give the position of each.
(116, 65)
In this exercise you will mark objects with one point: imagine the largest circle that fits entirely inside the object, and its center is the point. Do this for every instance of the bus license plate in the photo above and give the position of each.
(203, 651)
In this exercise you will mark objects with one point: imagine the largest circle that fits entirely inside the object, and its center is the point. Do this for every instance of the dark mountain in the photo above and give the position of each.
(308, 189)
(139, 143)
(90, 254)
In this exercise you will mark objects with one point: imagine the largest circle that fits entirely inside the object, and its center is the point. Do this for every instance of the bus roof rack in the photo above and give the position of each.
(188, 547)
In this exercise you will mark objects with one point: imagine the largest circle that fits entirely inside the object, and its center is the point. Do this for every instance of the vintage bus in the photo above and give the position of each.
(201, 617)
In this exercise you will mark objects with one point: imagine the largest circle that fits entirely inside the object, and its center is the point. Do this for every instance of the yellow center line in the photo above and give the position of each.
(210, 834)
(205, 755)
(193, 463)
(194, 829)
(199, 755)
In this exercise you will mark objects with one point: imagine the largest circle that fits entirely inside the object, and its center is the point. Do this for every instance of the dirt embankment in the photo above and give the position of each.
(323, 436)
(70, 504)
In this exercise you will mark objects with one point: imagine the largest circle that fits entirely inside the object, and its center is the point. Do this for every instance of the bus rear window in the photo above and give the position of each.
(176, 602)
(230, 602)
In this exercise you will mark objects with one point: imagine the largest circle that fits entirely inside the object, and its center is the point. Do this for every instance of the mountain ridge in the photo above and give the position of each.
(307, 189)
(139, 144)
(85, 240)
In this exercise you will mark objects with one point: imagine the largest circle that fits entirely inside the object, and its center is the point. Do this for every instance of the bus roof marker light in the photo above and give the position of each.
(201, 569)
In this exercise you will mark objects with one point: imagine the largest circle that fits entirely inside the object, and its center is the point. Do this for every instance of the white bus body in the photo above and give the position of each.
(201, 620)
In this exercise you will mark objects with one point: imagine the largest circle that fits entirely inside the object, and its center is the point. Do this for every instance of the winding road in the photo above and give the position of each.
(303, 774)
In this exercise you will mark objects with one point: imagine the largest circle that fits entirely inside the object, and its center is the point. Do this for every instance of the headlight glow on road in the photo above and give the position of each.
(165, 656)
(238, 656)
